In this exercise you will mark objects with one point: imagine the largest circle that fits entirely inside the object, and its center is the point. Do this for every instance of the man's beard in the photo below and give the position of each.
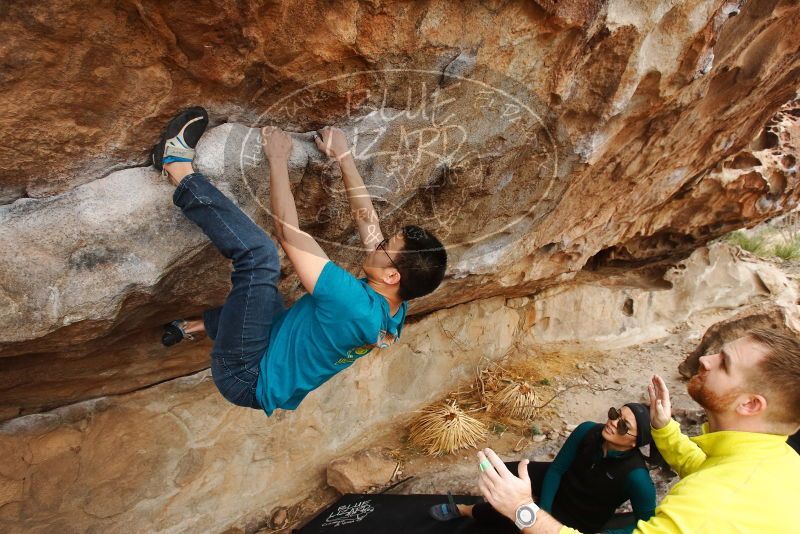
(711, 401)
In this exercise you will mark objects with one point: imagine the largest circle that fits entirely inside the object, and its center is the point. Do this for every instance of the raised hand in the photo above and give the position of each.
(502, 489)
(276, 144)
(333, 143)
(660, 405)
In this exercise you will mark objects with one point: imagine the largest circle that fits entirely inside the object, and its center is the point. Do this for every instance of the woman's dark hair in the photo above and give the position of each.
(421, 263)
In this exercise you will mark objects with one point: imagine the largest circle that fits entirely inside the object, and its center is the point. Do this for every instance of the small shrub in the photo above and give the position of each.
(444, 428)
(751, 243)
(498, 428)
(787, 251)
(517, 400)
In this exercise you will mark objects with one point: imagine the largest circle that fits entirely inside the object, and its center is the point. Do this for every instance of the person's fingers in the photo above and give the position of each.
(488, 470)
(656, 386)
(320, 145)
(662, 386)
(485, 491)
(497, 463)
(651, 392)
(324, 141)
(661, 383)
(522, 470)
(487, 479)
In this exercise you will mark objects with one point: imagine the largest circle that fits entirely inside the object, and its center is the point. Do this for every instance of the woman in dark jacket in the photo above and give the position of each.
(598, 469)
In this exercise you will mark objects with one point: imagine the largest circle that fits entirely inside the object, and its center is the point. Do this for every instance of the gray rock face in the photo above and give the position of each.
(90, 249)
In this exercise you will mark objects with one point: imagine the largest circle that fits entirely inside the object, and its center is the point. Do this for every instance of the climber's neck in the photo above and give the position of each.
(389, 292)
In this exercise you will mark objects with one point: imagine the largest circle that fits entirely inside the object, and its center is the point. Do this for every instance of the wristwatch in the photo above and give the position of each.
(526, 515)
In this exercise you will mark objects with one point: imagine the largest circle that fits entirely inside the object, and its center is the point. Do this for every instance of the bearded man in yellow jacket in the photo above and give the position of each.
(740, 476)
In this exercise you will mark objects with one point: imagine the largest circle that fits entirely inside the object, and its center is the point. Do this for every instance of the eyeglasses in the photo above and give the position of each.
(382, 246)
(622, 425)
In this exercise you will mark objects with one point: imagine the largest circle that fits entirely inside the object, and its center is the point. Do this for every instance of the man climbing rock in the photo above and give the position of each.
(739, 476)
(266, 356)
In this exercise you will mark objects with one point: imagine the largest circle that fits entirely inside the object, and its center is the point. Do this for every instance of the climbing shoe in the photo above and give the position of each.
(174, 333)
(180, 138)
(446, 511)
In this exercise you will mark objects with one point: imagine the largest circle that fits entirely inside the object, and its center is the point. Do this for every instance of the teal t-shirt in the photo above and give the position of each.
(322, 334)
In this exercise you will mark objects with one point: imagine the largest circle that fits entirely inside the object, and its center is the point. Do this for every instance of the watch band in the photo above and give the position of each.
(526, 515)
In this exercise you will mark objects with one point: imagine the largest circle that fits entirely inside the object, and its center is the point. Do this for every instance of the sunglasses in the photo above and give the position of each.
(622, 425)
(382, 246)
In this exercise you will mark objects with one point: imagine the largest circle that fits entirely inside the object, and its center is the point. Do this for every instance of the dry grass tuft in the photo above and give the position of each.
(508, 394)
(445, 428)
(517, 399)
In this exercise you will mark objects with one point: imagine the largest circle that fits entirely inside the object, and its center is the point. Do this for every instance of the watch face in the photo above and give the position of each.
(526, 516)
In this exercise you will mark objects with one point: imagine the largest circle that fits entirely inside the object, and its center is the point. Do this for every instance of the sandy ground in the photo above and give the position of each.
(607, 379)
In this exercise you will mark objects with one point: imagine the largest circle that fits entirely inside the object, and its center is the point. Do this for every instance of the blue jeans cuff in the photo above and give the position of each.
(183, 185)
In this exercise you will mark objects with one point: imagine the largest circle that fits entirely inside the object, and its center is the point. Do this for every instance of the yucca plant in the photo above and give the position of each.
(517, 400)
(444, 428)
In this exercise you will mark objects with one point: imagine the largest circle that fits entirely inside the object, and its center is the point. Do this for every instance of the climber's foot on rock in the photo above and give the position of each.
(174, 153)
(177, 331)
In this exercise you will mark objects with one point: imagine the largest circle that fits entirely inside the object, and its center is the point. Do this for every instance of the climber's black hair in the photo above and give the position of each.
(421, 263)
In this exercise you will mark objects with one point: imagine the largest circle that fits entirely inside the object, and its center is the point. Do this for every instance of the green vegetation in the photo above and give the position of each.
(544, 382)
(751, 243)
(787, 251)
(787, 248)
(536, 431)
(498, 428)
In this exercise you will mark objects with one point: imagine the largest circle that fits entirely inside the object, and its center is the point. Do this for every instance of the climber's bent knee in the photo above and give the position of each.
(236, 381)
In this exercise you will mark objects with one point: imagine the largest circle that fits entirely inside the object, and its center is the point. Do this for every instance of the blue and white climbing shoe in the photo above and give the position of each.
(446, 511)
(180, 138)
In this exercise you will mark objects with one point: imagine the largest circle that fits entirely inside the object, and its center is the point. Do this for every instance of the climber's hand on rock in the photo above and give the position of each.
(276, 143)
(660, 405)
(333, 143)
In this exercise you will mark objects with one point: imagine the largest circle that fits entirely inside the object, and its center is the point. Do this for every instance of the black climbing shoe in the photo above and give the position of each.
(445, 512)
(180, 136)
(174, 333)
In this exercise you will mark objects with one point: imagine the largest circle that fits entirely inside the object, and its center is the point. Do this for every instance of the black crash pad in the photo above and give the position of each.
(394, 514)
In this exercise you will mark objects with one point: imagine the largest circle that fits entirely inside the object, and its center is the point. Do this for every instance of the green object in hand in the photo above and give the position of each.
(484, 465)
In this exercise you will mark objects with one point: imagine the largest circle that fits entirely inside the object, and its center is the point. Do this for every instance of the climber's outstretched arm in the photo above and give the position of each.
(303, 251)
(334, 143)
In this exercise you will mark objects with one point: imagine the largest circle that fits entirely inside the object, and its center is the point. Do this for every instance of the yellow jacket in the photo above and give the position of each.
(731, 483)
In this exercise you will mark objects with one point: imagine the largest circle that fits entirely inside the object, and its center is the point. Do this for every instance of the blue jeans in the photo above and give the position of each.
(241, 327)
